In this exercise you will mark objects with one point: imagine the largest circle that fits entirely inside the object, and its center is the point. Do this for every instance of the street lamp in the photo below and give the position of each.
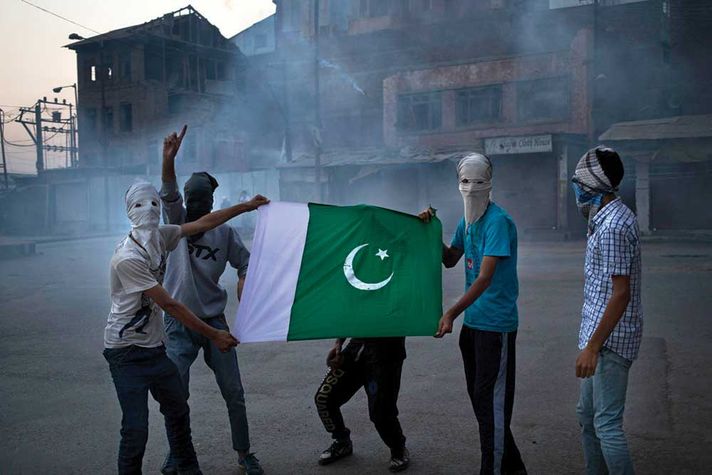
(58, 89)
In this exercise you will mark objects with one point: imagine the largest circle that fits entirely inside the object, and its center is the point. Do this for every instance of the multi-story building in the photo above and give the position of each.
(137, 84)
(387, 94)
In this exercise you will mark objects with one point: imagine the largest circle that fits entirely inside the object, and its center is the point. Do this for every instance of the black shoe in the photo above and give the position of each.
(400, 459)
(338, 450)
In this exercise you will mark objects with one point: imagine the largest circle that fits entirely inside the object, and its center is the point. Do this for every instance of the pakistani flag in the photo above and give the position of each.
(319, 271)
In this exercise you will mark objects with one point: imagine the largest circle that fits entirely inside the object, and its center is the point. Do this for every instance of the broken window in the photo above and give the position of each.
(478, 105)
(89, 70)
(418, 112)
(543, 99)
(108, 119)
(126, 119)
(107, 66)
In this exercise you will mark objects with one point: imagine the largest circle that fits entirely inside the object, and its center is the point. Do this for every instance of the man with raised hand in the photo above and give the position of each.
(193, 277)
(612, 316)
(487, 237)
(134, 334)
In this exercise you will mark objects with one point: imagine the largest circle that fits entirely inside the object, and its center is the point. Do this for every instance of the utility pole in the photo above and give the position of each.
(38, 138)
(2, 148)
(317, 107)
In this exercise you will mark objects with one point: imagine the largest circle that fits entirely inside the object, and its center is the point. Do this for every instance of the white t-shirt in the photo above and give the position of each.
(134, 318)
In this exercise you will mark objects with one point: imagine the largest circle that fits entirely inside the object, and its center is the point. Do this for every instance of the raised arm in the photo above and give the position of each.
(216, 218)
(173, 210)
(171, 145)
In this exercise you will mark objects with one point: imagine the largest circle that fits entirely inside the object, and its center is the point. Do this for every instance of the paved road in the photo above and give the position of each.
(59, 413)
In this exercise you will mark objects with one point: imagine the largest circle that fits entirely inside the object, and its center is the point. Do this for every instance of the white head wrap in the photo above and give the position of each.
(144, 212)
(474, 174)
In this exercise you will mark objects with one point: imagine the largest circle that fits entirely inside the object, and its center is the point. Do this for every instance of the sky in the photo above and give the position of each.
(34, 61)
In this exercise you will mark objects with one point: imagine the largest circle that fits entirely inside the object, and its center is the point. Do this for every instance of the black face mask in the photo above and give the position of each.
(199, 196)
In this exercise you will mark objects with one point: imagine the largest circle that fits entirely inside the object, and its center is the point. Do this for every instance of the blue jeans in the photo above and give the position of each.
(183, 346)
(600, 413)
(136, 371)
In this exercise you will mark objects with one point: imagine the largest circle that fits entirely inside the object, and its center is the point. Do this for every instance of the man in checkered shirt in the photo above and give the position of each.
(612, 317)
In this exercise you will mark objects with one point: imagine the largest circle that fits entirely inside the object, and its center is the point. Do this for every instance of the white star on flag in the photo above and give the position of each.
(382, 254)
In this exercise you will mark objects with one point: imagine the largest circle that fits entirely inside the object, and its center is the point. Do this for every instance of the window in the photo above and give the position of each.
(126, 119)
(478, 105)
(374, 8)
(107, 65)
(419, 111)
(108, 119)
(89, 70)
(543, 100)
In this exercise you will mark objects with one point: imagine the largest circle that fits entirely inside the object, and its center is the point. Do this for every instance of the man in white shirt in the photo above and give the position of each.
(134, 334)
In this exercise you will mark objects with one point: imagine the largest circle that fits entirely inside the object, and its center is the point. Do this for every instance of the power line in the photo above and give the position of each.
(60, 16)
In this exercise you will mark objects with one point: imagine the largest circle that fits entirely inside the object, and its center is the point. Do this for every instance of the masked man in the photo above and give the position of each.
(134, 334)
(374, 364)
(192, 276)
(487, 237)
(612, 317)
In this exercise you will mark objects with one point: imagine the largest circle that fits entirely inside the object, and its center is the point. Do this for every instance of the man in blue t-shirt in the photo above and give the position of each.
(487, 237)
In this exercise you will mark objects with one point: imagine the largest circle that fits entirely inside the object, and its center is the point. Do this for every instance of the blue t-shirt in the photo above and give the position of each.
(493, 234)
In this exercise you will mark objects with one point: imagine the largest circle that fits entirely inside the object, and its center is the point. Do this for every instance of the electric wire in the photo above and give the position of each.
(60, 16)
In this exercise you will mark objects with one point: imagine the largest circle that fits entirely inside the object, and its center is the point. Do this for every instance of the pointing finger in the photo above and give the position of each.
(182, 133)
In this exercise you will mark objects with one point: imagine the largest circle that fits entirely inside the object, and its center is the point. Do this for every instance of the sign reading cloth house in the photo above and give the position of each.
(511, 145)
(319, 271)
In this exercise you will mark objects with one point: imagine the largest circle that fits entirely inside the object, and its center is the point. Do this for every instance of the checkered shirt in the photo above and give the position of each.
(613, 249)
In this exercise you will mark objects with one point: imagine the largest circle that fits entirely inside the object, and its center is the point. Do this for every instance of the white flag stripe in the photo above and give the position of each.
(271, 282)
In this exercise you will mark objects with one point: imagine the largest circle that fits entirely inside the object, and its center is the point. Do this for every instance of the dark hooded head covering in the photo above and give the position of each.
(199, 195)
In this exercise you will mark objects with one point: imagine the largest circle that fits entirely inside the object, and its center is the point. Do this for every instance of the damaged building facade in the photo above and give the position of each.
(137, 83)
(380, 100)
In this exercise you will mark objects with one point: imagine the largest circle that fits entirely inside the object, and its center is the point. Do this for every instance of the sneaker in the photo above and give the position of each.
(400, 460)
(250, 465)
(338, 450)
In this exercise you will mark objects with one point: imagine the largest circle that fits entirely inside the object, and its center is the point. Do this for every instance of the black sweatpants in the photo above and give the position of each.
(489, 359)
(376, 367)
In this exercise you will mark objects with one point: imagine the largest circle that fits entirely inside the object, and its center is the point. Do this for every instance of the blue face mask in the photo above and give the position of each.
(588, 203)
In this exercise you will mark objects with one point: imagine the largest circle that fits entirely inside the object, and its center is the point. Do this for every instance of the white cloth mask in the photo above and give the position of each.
(474, 173)
(144, 212)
